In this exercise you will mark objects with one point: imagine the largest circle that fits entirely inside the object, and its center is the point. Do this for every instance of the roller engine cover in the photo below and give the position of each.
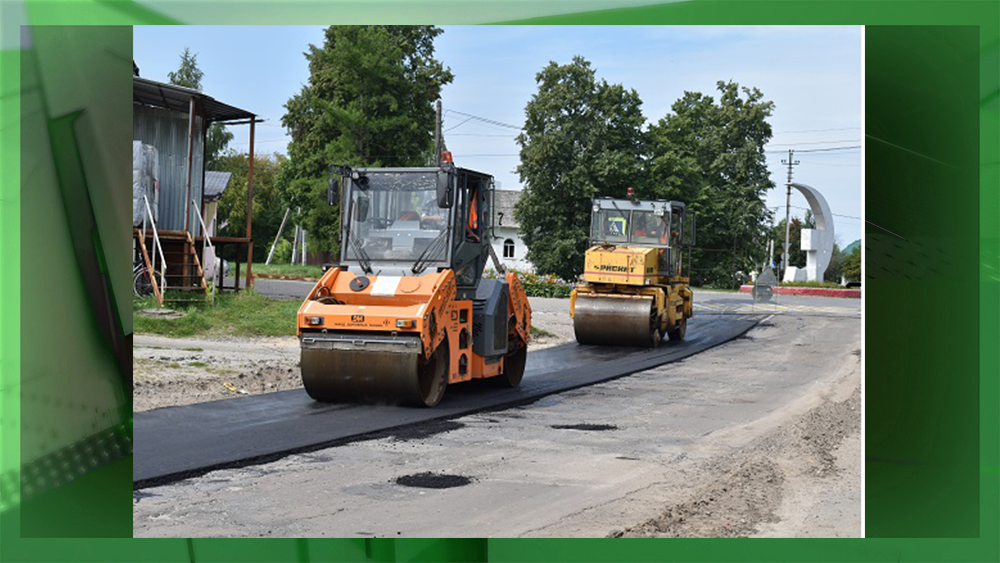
(489, 318)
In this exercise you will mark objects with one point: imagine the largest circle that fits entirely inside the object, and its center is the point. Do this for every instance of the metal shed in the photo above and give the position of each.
(176, 120)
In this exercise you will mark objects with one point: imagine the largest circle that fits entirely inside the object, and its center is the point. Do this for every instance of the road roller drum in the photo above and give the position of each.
(371, 369)
(616, 320)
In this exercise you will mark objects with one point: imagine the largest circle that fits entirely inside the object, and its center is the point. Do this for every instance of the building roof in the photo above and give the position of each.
(178, 98)
(215, 184)
(503, 208)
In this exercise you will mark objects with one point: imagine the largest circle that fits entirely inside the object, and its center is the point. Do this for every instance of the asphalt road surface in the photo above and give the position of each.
(759, 436)
(177, 442)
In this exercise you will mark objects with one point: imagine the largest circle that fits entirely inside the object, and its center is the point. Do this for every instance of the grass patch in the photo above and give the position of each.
(242, 314)
(194, 349)
(535, 331)
(297, 270)
(198, 364)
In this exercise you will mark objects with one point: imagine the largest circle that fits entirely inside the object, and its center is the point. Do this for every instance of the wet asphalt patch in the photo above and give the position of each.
(586, 427)
(428, 480)
(425, 430)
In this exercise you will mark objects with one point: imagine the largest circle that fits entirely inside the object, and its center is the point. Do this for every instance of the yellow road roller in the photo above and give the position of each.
(406, 311)
(633, 290)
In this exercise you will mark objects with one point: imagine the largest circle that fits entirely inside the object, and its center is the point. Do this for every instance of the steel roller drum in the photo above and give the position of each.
(614, 320)
(344, 368)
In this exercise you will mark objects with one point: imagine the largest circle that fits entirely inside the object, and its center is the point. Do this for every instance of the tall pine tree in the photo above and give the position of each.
(189, 75)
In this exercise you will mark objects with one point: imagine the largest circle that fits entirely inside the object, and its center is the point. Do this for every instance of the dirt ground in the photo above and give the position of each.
(758, 437)
(800, 480)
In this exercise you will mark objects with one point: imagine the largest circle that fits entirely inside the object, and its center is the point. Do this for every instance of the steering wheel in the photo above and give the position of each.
(381, 222)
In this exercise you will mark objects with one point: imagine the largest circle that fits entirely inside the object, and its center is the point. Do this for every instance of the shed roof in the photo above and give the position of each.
(216, 183)
(503, 203)
(158, 94)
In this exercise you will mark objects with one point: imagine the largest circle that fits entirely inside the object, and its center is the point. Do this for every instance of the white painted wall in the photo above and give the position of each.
(518, 262)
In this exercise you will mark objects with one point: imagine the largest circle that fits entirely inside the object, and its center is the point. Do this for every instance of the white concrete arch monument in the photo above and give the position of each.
(818, 242)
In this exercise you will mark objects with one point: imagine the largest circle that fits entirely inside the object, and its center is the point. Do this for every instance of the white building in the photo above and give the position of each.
(507, 243)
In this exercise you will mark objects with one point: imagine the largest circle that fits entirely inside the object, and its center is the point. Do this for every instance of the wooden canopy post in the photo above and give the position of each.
(190, 162)
(249, 282)
(185, 280)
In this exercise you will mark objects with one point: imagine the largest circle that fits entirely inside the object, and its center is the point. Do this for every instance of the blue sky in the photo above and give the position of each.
(811, 73)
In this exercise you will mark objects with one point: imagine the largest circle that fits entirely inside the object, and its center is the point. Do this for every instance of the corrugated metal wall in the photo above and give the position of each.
(168, 131)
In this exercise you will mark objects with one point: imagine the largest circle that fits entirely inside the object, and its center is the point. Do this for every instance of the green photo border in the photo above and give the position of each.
(932, 75)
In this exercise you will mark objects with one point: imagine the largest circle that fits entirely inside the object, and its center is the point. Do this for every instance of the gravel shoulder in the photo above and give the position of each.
(181, 371)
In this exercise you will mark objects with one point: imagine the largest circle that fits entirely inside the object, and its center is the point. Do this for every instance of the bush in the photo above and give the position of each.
(536, 285)
(852, 265)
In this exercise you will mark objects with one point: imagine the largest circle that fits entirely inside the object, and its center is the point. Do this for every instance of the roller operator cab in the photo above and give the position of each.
(634, 290)
(406, 311)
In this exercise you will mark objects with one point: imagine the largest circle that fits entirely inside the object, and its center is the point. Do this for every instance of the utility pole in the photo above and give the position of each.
(303, 247)
(437, 136)
(278, 236)
(770, 240)
(788, 207)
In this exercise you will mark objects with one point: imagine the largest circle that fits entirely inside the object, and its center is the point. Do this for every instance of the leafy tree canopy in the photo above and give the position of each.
(369, 102)
(852, 265)
(710, 155)
(268, 207)
(582, 139)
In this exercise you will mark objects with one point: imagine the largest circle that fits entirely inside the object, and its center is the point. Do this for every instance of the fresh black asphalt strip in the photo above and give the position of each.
(175, 443)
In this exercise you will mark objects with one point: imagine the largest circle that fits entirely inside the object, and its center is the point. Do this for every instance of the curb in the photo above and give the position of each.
(814, 291)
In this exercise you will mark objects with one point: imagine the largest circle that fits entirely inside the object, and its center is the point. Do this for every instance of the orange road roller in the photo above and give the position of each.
(406, 311)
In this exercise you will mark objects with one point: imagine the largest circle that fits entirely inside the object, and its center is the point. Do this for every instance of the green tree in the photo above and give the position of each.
(369, 102)
(189, 75)
(836, 267)
(582, 139)
(852, 265)
(268, 207)
(216, 144)
(796, 256)
(710, 155)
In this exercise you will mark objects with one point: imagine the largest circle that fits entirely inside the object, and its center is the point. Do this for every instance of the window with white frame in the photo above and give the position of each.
(508, 248)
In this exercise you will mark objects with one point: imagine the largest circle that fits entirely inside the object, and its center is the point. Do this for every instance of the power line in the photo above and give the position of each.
(484, 119)
(466, 120)
(851, 147)
(819, 130)
(824, 149)
(256, 141)
(834, 214)
(855, 165)
(811, 143)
